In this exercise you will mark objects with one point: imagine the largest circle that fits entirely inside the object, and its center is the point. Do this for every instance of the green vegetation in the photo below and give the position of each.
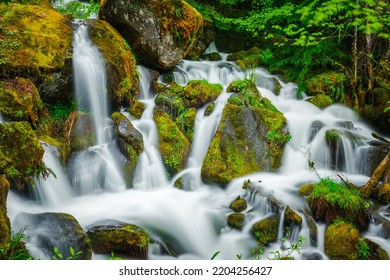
(78, 9)
(15, 249)
(73, 254)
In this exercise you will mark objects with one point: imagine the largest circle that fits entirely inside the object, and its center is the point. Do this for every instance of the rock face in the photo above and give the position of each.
(249, 138)
(5, 226)
(122, 78)
(49, 230)
(36, 43)
(80, 133)
(124, 238)
(160, 32)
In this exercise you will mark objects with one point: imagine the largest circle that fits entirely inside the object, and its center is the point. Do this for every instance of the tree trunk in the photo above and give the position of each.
(377, 175)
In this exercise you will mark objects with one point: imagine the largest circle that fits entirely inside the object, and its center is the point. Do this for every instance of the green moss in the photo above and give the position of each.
(122, 75)
(35, 40)
(5, 225)
(331, 84)
(247, 59)
(330, 200)
(136, 109)
(321, 101)
(341, 241)
(20, 100)
(306, 189)
(236, 220)
(174, 146)
(266, 230)
(186, 122)
(199, 92)
(21, 152)
(239, 204)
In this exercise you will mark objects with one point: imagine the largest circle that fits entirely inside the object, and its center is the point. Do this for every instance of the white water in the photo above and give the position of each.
(192, 222)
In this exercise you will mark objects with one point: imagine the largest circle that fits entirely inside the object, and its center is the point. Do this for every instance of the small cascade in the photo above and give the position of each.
(1, 118)
(150, 171)
(55, 189)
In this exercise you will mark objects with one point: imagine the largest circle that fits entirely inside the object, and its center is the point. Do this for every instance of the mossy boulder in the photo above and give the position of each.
(202, 42)
(20, 100)
(212, 57)
(306, 190)
(123, 238)
(80, 131)
(291, 218)
(5, 225)
(239, 204)
(341, 241)
(331, 84)
(382, 193)
(174, 146)
(159, 32)
(236, 220)
(266, 230)
(136, 109)
(321, 101)
(48, 230)
(130, 143)
(37, 44)
(249, 138)
(122, 77)
(197, 93)
(248, 59)
(330, 200)
(21, 153)
(375, 251)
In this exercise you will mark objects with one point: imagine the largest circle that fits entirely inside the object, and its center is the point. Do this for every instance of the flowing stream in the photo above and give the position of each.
(192, 222)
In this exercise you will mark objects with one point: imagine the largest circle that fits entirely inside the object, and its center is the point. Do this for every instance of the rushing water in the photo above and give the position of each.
(192, 222)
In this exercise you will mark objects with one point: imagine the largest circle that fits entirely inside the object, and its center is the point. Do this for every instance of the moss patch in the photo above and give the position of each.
(239, 204)
(247, 59)
(321, 101)
(331, 84)
(266, 230)
(236, 220)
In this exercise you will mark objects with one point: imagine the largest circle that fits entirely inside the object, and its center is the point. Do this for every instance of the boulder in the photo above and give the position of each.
(21, 153)
(37, 44)
(122, 238)
(291, 218)
(236, 220)
(159, 32)
(331, 84)
(49, 230)
(375, 251)
(249, 59)
(239, 204)
(20, 100)
(249, 138)
(202, 42)
(266, 230)
(122, 77)
(321, 101)
(80, 131)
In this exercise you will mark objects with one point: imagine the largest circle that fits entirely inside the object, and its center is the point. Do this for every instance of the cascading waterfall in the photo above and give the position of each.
(192, 222)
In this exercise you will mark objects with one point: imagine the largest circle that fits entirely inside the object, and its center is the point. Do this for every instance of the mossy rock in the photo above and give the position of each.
(375, 251)
(53, 229)
(20, 100)
(306, 189)
(313, 229)
(80, 132)
(5, 225)
(21, 153)
(212, 57)
(37, 44)
(174, 146)
(236, 220)
(291, 218)
(197, 93)
(330, 200)
(122, 77)
(266, 230)
(321, 101)
(136, 109)
(382, 193)
(331, 84)
(250, 137)
(130, 143)
(202, 41)
(341, 240)
(186, 123)
(123, 238)
(247, 59)
(239, 204)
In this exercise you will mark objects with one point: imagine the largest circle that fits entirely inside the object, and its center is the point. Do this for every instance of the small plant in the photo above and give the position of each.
(287, 254)
(15, 249)
(73, 254)
(215, 255)
(277, 138)
(363, 249)
(112, 257)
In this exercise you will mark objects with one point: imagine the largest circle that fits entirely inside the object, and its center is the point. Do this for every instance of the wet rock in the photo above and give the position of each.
(20, 100)
(236, 220)
(313, 229)
(202, 42)
(212, 56)
(330, 83)
(306, 189)
(80, 131)
(122, 238)
(5, 225)
(341, 240)
(314, 128)
(159, 32)
(122, 77)
(48, 230)
(345, 124)
(311, 256)
(376, 252)
(239, 204)
(369, 158)
(382, 193)
(266, 230)
(291, 218)
(321, 101)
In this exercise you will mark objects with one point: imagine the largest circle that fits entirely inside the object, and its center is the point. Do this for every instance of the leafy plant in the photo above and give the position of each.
(287, 254)
(73, 254)
(15, 249)
(112, 257)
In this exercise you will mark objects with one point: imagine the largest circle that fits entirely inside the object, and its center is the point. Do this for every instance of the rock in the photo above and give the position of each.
(174, 146)
(370, 156)
(376, 252)
(21, 152)
(321, 101)
(249, 59)
(291, 218)
(136, 109)
(306, 189)
(80, 131)
(123, 238)
(212, 56)
(130, 143)
(341, 240)
(202, 42)
(330, 200)
(5, 225)
(37, 44)
(331, 84)
(48, 230)
(266, 230)
(383, 193)
(122, 77)
(249, 138)
(239, 204)
(20, 100)
(197, 93)
(236, 220)
(313, 229)
(159, 32)
(345, 124)
(314, 128)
